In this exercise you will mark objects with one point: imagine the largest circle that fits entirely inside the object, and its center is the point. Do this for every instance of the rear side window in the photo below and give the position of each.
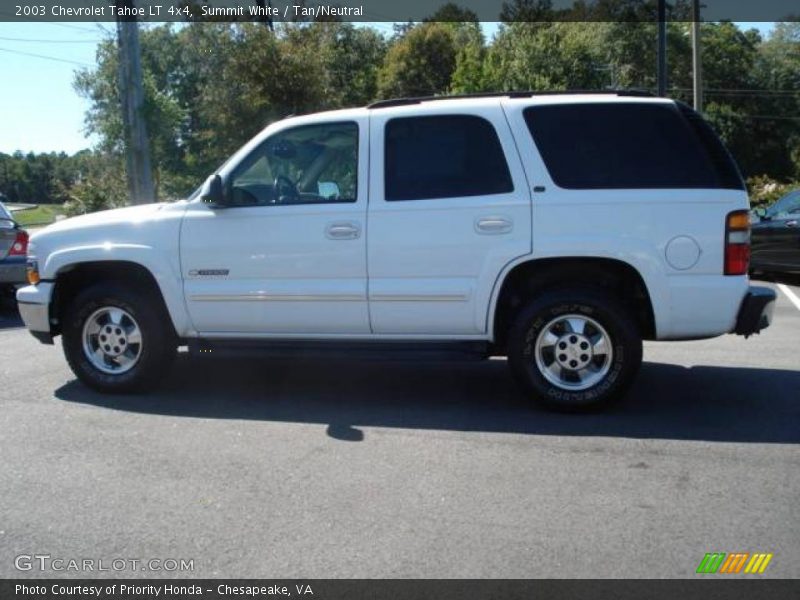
(629, 146)
(443, 157)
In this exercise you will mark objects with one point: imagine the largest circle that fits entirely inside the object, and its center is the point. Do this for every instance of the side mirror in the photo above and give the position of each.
(761, 212)
(213, 193)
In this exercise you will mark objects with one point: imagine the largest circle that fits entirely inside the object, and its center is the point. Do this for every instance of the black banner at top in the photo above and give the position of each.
(394, 10)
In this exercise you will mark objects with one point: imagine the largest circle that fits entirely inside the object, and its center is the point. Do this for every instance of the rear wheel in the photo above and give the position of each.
(575, 349)
(118, 340)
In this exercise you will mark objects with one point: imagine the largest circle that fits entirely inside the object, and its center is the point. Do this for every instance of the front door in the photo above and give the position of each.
(288, 253)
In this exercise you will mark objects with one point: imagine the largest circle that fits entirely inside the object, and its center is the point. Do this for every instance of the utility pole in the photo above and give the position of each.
(662, 48)
(697, 66)
(137, 145)
(264, 18)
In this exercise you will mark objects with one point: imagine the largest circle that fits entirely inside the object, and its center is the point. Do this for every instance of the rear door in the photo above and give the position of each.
(449, 208)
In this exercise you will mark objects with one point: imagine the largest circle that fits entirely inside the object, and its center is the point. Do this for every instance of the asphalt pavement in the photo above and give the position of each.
(260, 468)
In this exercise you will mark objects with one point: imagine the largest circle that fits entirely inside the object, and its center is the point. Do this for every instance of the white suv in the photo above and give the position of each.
(559, 230)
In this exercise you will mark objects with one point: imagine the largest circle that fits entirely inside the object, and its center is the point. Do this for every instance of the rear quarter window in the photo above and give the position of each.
(630, 146)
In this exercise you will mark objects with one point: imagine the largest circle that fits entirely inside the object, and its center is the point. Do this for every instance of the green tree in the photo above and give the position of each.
(546, 56)
(420, 63)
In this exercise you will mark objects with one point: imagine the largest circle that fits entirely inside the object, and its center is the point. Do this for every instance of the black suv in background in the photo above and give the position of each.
(776, 236)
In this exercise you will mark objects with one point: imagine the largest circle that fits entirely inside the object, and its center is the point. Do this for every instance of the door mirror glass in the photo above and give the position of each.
(213, 193)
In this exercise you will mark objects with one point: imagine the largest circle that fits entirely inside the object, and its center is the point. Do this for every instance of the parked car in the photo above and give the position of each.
(13, 252)
(550, 229)
(775, 235)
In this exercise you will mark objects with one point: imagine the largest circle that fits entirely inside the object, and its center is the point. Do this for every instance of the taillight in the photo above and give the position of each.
(20, 245)
(737, 243)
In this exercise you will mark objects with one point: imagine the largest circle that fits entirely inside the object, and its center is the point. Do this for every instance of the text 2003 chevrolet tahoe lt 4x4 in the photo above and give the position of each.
(558, 230)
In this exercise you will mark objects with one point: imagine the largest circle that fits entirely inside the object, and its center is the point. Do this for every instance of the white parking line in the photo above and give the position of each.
(790, 295)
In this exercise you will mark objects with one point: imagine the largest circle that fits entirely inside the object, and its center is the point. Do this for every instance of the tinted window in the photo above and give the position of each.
(3, 213)
(444, 157)
(587, 146)
(310, 164)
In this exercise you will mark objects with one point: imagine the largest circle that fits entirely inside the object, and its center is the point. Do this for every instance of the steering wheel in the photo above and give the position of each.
(284, 187)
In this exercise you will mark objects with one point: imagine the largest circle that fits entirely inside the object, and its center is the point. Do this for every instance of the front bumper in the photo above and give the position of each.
(34, 308)
(756, 311)
(13, 271)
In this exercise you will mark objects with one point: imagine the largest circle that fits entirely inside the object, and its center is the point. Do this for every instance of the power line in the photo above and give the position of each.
(742, 91)
(75, 27)
(762, 117)
(12, 39)
(64, 60)
(14, 19)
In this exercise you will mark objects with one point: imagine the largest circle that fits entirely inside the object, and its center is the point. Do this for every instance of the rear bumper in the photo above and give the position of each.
(34, 308)
(13, 271)
(756, 310)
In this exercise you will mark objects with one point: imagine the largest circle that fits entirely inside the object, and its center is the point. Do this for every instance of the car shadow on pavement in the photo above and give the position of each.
(666, 402)
(9, 316)
(792, 279)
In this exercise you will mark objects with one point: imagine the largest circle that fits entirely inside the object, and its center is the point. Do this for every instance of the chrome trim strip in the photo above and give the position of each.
(328, 298)
(277, 298)
(419, 297)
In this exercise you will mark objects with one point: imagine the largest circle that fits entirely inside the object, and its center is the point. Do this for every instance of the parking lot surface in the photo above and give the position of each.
(404, 469)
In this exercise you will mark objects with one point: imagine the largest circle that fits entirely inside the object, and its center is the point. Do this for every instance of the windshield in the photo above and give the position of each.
(787, 205)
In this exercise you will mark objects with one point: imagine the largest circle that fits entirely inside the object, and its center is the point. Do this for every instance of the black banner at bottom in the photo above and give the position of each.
(395, 589)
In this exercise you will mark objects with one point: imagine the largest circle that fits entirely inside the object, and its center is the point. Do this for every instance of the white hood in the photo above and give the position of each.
(128, 215)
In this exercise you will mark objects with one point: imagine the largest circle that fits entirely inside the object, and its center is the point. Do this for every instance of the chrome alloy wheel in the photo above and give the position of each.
(112, 340)
(573, 352)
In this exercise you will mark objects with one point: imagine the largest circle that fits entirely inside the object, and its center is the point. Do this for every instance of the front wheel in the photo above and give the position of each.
(117, 340)
(575, 349)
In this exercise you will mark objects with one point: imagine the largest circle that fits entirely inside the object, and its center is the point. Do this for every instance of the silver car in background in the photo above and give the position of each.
(13, 252)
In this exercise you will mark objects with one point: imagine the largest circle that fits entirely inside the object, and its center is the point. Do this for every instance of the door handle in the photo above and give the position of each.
(343, 231)
(494, 225)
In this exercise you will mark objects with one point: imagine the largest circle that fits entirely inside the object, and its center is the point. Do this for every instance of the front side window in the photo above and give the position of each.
(310, 164)
(448, 156)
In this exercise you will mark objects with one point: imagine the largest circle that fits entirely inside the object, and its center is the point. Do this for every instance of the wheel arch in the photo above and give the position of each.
(530, 276)
(71, 279)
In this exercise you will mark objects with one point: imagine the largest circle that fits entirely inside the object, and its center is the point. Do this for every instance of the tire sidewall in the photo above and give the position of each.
(625, 342)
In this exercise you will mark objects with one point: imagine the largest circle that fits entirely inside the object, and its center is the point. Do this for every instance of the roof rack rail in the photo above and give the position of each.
(520, 94)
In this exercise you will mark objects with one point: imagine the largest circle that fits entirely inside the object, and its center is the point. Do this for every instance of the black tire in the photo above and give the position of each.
(602, 308)
(158, 348)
